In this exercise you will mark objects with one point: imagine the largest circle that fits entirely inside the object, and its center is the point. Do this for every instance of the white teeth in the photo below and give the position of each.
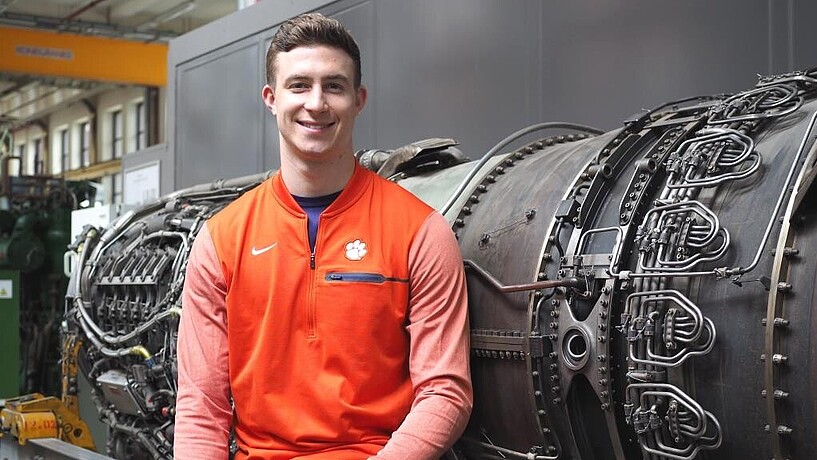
(313, 125)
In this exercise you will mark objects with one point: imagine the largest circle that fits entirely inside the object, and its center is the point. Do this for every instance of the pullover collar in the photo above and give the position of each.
(359, 182)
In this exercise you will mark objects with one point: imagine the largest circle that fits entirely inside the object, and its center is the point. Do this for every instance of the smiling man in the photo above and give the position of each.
(327, 304)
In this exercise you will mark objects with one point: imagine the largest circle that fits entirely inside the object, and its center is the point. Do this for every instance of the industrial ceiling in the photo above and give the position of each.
(26, 97)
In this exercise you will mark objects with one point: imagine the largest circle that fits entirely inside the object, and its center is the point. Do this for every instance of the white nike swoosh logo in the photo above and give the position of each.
(257, 252)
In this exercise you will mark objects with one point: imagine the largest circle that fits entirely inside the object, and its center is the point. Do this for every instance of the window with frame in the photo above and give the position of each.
(84, 144)
(116, 134)
(34, 167)
(21, 153)
(65, 149)
(116, 188)
(140, 136)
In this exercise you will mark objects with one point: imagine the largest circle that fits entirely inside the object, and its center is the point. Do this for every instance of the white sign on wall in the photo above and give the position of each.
(6, 289)
(141, 184)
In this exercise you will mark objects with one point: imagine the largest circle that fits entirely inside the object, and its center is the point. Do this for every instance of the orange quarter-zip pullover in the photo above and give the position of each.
(326, 353)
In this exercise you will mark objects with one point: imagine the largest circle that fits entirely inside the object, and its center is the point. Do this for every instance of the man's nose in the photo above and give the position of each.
(316, 100)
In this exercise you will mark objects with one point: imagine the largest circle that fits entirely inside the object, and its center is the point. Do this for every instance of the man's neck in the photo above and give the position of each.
(316, 179)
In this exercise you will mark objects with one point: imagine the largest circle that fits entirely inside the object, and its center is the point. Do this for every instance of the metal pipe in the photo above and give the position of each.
(82, 27)
(775, 213)
(83, 9)
(567, 282)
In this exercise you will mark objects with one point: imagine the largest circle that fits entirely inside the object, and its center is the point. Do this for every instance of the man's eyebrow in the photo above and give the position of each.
(295, 77)
(333, 77)
(338, 77)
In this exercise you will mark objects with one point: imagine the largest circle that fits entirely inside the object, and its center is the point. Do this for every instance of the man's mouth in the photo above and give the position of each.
(315, 126)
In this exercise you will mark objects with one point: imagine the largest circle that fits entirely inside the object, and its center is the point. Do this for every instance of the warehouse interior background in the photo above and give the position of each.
(144, 97)
(60, 119)
(474, 70)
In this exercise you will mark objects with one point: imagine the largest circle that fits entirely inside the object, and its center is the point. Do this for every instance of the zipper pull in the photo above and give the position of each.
(312, 260)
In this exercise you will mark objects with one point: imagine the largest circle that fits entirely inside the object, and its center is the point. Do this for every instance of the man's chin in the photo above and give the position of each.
(320, 152)
(320, 155)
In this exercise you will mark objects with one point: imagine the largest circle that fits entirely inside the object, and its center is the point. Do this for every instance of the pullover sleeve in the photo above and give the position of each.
(203, 409)
(439, 350)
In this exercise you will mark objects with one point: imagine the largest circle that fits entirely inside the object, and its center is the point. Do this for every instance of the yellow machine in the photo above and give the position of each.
(35, 416)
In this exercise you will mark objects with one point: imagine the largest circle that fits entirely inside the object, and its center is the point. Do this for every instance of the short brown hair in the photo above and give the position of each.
(312, 29)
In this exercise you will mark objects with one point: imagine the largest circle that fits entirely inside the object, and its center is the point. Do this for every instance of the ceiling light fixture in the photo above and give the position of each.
(169, 15)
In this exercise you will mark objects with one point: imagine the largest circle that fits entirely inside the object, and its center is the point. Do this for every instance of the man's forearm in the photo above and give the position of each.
(428, 431)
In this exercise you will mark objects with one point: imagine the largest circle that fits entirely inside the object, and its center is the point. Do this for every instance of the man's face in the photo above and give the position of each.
(315, 102)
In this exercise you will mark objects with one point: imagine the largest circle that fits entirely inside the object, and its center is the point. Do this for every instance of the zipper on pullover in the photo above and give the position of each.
(312, 321)
(355, 277)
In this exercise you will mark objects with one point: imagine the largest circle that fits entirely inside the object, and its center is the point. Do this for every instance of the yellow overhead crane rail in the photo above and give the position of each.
(82, 57)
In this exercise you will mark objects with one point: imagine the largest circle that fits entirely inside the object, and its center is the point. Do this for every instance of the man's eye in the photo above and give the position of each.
(298, 86)
(335, 87)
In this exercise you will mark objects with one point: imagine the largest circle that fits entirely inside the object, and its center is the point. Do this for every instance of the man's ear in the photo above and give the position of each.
(268, 96)
(362, 95)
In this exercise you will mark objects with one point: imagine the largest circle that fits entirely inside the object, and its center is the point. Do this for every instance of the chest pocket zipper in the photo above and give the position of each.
(361, 278)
